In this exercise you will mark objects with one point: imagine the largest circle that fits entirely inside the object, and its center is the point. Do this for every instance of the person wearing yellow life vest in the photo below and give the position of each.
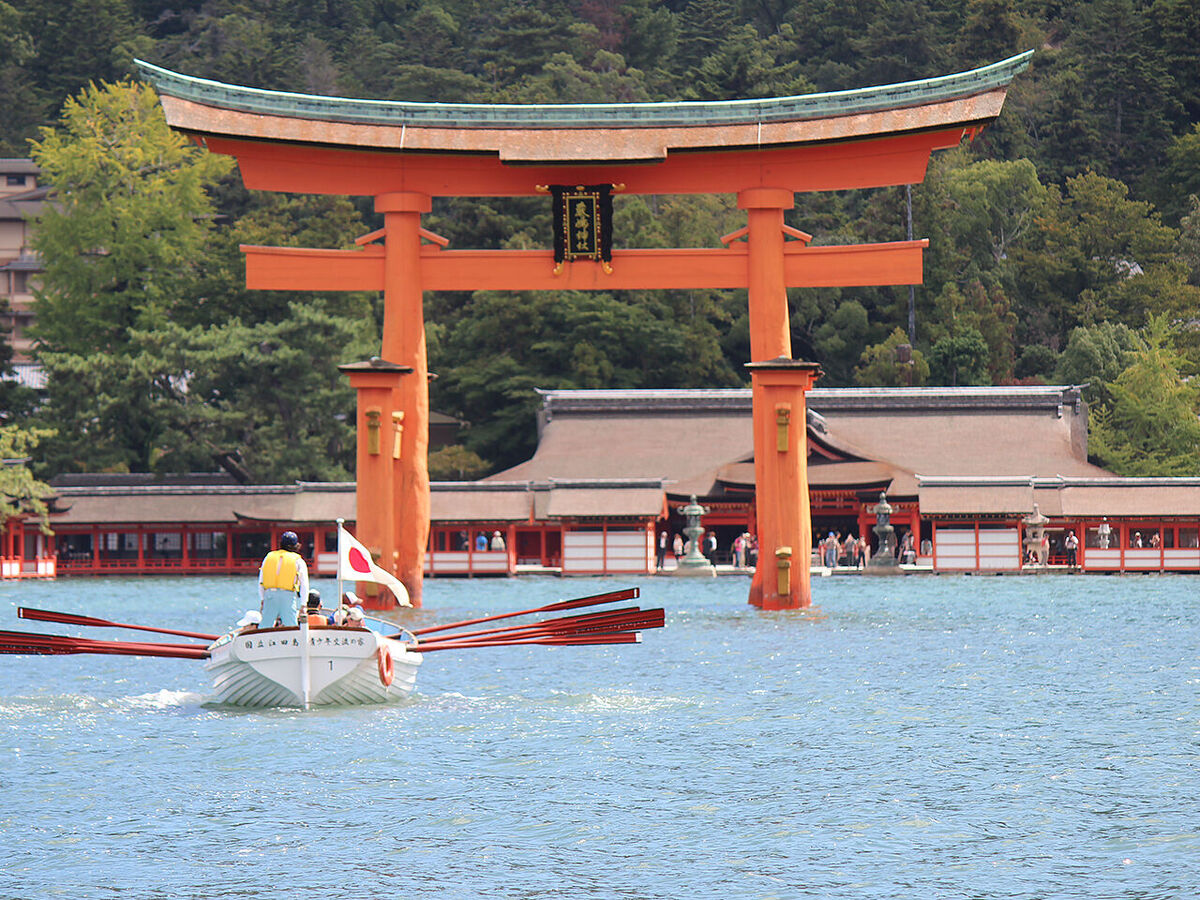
(282, 581)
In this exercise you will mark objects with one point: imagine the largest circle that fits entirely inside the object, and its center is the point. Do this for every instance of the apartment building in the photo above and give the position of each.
(21, 199)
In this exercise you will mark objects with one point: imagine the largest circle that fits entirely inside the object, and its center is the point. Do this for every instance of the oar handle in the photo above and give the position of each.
(594, 600)
(46, 615)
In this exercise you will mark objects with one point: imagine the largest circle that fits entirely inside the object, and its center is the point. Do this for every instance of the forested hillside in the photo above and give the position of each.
(1064, 241)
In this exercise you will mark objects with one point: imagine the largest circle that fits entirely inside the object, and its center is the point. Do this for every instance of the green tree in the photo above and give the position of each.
(16, 400)
(1150, 427)
(1175, 25)
(503, 346)
(703, 25)
(249, 378)
(990, 31)
(977, 214)
(564, 80)
(456, 463)
(1094, 255)
(746, 65)
(20, 493)
(902, 43)
(881, 366)
(651, 36)
(959, 359)
(265, 400)
(1037, 361)
(120, 248)
(839, 340)
(1189, 240)
(519, 40)
(81, 41)
(976, 311)
(1178, 180)
(1113, 56)
(1095, 356)
(229, 42)
(24, 104)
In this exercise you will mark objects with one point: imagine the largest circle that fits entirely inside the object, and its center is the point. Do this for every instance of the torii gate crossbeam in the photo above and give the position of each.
(404, 154)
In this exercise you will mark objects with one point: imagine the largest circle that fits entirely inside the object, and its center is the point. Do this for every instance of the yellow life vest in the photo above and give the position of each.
(279, 570)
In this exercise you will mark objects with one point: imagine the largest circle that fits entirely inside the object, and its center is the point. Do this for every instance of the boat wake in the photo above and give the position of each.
(165, 699)
(627, 701)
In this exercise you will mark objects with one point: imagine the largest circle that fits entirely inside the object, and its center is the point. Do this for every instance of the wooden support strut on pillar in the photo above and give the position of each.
(782, 579)
(377, 387)
(404, 342)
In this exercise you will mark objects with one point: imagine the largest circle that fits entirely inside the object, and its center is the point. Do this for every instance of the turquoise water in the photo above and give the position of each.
(935, 737)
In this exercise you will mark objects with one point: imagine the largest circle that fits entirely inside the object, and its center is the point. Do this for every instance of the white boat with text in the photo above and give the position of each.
(329, 665)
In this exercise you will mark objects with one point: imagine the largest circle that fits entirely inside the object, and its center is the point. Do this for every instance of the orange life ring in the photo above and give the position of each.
(387, 669)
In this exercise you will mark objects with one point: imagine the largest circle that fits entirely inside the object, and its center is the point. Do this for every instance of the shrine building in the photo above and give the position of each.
(961, 467)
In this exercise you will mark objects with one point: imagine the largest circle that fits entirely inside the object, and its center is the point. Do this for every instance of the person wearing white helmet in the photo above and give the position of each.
(282, 581)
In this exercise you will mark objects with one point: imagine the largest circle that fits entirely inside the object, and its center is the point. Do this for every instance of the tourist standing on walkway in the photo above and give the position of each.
(660, 553)
(831, 551)
(1072, 547)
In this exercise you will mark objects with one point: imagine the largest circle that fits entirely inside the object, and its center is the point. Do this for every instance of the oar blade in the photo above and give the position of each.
(30, 643)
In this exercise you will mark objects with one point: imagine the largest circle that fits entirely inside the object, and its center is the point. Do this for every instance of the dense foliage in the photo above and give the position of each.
(1055, 237)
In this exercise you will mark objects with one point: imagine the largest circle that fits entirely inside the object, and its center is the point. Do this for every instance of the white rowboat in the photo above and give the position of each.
(310, 666)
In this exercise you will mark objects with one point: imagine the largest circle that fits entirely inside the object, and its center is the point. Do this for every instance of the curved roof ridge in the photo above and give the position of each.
(649, 114)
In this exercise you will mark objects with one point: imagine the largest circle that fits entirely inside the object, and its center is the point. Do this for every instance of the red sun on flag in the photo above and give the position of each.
(358, 562)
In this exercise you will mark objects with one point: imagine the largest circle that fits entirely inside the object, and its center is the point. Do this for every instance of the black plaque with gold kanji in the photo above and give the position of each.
(582, 222)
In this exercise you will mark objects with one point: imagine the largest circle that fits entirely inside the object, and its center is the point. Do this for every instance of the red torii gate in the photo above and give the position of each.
(404, 154)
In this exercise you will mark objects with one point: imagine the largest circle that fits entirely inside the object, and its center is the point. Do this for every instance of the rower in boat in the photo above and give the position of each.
(282, 581)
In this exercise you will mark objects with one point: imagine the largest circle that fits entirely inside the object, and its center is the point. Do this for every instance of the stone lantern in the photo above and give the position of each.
(883, 561)
(1035, 531)
(694, 563)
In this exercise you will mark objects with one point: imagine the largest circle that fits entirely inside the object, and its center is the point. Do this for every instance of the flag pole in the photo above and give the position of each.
(341, 527)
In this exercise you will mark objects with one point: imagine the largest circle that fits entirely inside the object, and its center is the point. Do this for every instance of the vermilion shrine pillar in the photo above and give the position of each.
(379, 425)
(404, 340)
(782, 579)
(770, 329)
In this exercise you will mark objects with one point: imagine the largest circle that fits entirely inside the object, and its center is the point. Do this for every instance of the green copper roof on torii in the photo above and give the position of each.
(558, 115)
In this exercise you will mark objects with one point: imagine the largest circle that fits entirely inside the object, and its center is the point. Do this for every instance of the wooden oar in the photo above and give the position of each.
(594, 600)
(563, 622)
(45, 615)
(623, 637)
(627, 627)
(21, 642)
(603, 629)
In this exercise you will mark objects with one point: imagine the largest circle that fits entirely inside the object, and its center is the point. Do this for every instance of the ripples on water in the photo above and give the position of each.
(936, 737)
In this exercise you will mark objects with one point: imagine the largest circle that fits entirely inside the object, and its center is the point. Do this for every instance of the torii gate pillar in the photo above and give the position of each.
(404, 342)
(782, 579)
(380, 428)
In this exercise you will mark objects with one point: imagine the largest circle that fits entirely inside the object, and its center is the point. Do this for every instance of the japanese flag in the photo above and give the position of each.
(355, 564)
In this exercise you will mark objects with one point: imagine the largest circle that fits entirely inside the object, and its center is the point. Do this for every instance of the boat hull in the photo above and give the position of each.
(303, 667)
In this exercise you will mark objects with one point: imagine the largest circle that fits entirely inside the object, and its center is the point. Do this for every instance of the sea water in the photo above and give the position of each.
(920, 737)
